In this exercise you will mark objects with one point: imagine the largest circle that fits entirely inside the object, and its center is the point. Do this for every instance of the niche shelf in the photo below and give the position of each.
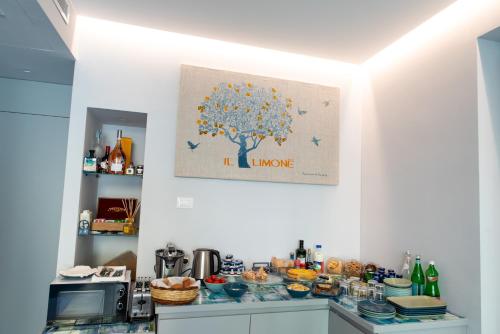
(97, 249)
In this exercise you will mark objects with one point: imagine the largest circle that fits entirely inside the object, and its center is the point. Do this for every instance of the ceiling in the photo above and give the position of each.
(345, 30)
(30, 47)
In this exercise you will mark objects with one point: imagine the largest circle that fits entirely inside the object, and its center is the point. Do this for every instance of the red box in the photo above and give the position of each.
(112, 208)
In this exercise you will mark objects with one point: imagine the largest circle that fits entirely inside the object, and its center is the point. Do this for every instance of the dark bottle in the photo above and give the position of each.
(104, 160)
(309, 260)
(301, 254)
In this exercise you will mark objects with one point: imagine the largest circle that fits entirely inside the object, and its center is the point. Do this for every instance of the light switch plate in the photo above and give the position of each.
(185, 202)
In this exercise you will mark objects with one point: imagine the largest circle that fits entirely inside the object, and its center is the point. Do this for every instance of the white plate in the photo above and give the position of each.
(78, 272)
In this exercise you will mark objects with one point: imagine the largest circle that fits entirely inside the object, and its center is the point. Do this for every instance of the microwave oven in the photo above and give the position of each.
(82, 301)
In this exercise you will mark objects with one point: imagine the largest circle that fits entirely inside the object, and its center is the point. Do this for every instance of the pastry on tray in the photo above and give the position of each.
(301, 274)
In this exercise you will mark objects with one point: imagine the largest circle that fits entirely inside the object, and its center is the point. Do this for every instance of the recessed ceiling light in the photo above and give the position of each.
(27, 71)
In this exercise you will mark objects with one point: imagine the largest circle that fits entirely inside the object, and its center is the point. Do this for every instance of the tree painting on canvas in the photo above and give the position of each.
(241, 126)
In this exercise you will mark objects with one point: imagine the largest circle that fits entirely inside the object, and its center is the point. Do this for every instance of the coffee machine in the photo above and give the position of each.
(170, 261)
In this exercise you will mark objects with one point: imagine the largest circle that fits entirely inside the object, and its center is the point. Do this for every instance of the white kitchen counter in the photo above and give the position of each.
(274, 311)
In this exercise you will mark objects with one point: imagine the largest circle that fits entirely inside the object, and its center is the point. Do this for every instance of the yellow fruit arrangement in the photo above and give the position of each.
(301, 274)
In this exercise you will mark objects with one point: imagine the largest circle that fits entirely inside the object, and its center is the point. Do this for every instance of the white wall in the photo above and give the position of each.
(489, 180)
(129, 68)
(420, 152)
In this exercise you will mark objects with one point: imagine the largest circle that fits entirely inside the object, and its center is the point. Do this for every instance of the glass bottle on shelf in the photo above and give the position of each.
(104, 160)
(117, 158)
(309, 260)
(417, 278)
(405, 270)
(300, 255)
(432, 277)
(90, 162)
(98, 151)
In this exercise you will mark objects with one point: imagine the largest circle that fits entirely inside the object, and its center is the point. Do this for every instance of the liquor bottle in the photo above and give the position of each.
(309, 260)
(405, 270)
(117, 158)
(90, 162)
(431, 277)
(417, 278)
(104, 161)
(300, 254)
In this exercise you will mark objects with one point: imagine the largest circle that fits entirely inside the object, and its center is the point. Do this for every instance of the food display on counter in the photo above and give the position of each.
(334, 266)
(232, 266)
(325, 290)
(281, 263)
(215, 283)
(297, 290)
(353, 268)
(174, 290)
(301, 274)
(281, 266)
(235, 290)
(259, 275)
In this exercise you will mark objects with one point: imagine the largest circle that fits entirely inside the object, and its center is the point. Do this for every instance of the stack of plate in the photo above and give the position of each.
(418, 306)
(376, 309)
(397, 287)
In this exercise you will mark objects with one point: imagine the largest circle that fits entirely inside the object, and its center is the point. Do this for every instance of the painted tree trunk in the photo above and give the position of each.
(242, 153)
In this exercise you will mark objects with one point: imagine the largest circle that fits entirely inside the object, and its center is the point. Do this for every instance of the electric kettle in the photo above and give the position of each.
(204, 263)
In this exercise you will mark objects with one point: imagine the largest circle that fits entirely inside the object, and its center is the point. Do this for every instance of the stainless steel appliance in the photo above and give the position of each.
(141, 306)
(81, 301)
(204, 263)
(170, 262)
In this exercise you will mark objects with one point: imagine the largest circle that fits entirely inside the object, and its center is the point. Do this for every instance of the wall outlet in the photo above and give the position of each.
(185, 202)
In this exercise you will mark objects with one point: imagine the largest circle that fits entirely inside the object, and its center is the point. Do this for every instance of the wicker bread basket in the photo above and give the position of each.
(174, 296)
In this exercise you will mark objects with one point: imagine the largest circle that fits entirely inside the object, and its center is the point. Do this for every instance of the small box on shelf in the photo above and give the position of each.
(103, 225)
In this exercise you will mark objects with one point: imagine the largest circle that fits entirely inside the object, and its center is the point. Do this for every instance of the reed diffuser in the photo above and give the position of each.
(131, 207)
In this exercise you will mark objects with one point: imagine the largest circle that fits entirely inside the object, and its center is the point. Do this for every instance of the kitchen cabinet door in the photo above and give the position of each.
(237, 324)
(290, 322)
(337, 325)
(33, 153)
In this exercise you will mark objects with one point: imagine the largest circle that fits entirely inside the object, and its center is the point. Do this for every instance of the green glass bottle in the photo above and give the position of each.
(417, 278)
(431, 285)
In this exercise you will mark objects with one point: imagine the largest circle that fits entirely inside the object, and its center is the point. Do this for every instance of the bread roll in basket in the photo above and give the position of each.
(174, 290)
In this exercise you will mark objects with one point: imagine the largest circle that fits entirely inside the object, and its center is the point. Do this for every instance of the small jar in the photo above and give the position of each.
(139, 170)
(129, 227)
